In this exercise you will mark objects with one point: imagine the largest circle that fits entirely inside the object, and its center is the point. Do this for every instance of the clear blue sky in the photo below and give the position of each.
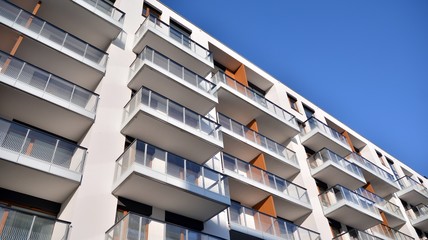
(365, 62)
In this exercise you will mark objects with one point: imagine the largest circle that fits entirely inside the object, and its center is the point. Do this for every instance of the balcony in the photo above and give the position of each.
(387, 233)
(383, 182)
(150, 116)
(159, 35)
(57, 105)
(412, 192)
(317, 135)
(391, 211)
(419, 217)
(38, 164)
(63, 54)
(356, 235)
(102, 21)
(349, 208)
(325, 164)
(247, 223)
(249, 185)
(163, 75)
(161, 179)
(272, 120)
(247, 144)
(134, 226)
(18, 224)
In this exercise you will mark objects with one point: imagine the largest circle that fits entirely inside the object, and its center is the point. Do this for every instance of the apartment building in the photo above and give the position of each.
(126, 121)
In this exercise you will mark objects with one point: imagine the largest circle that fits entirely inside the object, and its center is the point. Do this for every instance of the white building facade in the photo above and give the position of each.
(126, 121)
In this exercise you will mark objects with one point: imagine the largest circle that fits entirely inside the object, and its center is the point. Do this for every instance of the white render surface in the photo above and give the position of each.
(91, 206)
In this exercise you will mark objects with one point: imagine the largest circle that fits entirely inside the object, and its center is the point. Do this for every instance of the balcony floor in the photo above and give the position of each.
(421, 223)
(46, 115)
(250, 194)
(36, 178)
(393, 220)
(354, 216)
(269, 125)
(168, 193)
(246, 150)
(54, 61)
(341, 176)
(176, 51)
(317, 140)
(96, 30)
(412, 196)
(157, 129)
(161, 81)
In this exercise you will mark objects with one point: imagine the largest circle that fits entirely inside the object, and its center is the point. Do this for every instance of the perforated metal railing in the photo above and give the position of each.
(16, 72)
(268, 179)
(268, 225)
(160, 60)
(153, 22)
(257, 98)
(37, 28)
(41, 146)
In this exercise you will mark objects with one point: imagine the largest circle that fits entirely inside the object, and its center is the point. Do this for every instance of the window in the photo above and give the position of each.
(308, 111)
(391, 165)
(379, 155)
(150, 10)
(180, 33)
(256, 89)
(293, 102)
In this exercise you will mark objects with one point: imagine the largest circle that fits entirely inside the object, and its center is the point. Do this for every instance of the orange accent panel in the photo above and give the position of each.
(259, 161)
(348, 139)
(253, 125)
(229, 73)
(3, 221)
(37, 7)
(241, 75)
(15, 47)
(384, 220)
(266, 206)
(369, 187)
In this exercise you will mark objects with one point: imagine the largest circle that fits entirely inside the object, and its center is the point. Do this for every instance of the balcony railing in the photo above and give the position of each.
(57, 38)
(257, 138)
(372, 167)
(106, 9)
(406, 182)
(336, 194)
(16, 224)
(41, 146)
(389, 233)
(268, 179)
(380, 202)
(256, 98)
(154, 23)
(18, 72)
(134, 226)
(313, 123)
(418, 211)
(148, 54)
(325, 155)
(356, 235)
(172, 110)
(265, 224)
(160, 161)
